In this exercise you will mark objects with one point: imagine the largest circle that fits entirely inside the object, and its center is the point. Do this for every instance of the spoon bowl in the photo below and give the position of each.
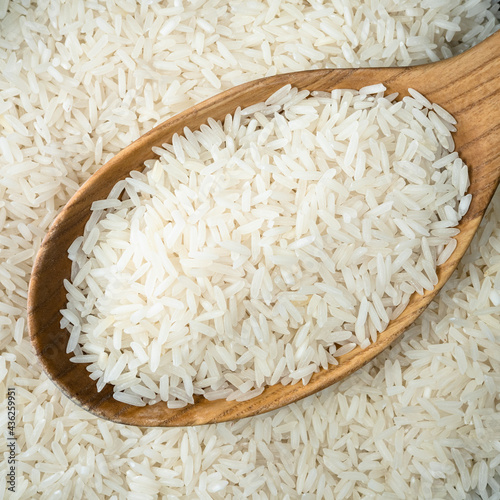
(468, 86)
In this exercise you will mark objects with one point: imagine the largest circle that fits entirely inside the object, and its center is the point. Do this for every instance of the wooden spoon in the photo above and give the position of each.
(467, 85)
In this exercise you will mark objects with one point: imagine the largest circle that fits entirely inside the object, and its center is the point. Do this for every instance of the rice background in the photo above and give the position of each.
(78, 82)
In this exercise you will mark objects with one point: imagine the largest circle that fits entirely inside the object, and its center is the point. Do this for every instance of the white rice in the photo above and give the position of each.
(287, 240)
(128, 66)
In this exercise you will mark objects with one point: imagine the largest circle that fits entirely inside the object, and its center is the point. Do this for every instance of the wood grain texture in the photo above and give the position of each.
(467, 85)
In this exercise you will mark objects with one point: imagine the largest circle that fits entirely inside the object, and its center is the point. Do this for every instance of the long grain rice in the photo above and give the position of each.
(128, 66)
